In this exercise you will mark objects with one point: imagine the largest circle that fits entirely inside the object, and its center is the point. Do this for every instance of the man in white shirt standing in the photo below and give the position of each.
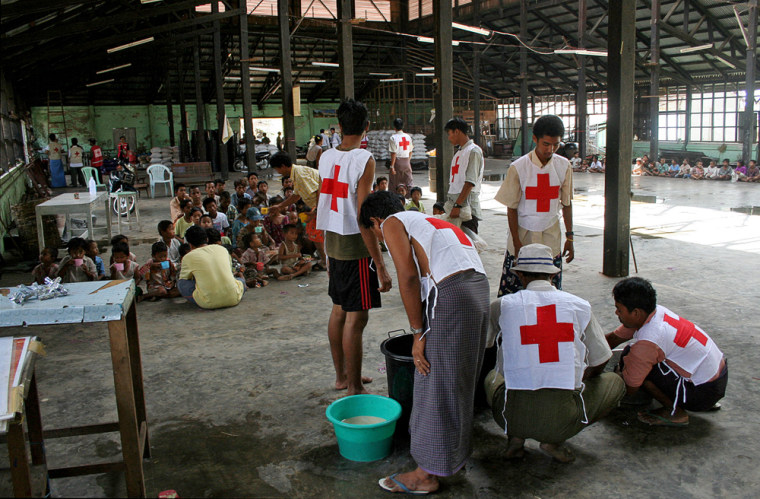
(466, 175)
(335, 139)
(76, 162)
(400, 146)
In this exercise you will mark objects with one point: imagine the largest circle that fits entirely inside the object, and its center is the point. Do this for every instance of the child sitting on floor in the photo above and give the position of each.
(257, 258)
(93, 251)
(47, 266)
(77, 266)
(416, 201)
(166, 236)
(119, 238)
(293, 264)
(123, 267)
(160, 274)
(208, 223)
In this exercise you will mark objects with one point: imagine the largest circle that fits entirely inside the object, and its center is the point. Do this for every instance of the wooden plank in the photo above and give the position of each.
(74, 431)
(200, 110)
(345, 49)
(87, 469)
(20, 470)
(125, 404)
(135, 357)
(250, 152)
(34, 424)
(286, 74)
(221, 115)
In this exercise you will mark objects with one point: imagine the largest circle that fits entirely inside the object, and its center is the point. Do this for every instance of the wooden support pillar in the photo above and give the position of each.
(476, 132)
(184, 145)
(750, 117)
(526, 135)
(621, 45)
(654, 83)
(443, 97)
(245, 82)
(345, 49)
(221, 115)
(581, 97)
(169, 107)
(688, 116)
(286, 73)
(200, 108)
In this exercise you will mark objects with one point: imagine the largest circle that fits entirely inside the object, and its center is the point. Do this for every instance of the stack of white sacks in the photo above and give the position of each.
(164, 155)
(377, 143)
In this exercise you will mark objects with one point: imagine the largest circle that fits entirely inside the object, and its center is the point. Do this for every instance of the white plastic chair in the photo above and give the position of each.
(160, 174)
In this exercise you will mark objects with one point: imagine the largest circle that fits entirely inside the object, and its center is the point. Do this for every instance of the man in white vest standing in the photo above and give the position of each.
(548, 384)
(76, 163)
(400, 146)
(538, 187)
(670, 358)
(357, 271)
(463, 199)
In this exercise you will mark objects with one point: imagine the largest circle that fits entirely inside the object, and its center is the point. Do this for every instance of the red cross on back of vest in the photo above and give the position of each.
(455, 169)
(442, 224)
(404, 143)
(335, 188)
(543, 192)
(547, 333)
(685, 331)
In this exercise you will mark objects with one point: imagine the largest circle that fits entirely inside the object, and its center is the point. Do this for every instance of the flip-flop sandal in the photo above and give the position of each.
(404, 488)
(660, 421)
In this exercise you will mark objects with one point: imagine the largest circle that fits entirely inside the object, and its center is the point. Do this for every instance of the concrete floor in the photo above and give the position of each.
(236, 397)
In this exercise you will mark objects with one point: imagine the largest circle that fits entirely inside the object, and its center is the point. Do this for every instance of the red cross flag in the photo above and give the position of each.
(335, 189)
(547, 333)
(543, 193)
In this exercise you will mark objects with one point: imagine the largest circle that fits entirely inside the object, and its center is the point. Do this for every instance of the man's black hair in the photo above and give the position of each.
(74, 141)
(77, 243)
(158, 247)
(177, 186)
(321, 130)
(241, 206)
(120, 247)
(207, 202)
(398, 124)
(548, 125)
(118, 238)
(213, 236)
(380, 204)
(163, 225)
(457, 124)
(264, 182)
(380, 179)
(196, 236)
(184, 249)
(224, 195)
(52, 137)
(634, 293)
(209, 182)
(219, 181)
(280, 159)
(253, 174)
(353, 117)
(184, 203)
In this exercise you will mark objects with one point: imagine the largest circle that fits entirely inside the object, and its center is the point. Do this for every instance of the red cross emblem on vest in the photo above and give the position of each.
(685, 331)
(455, 169)
(442, 224)
(404, 143)
(547, 333)
(335, 189)
(543, 193)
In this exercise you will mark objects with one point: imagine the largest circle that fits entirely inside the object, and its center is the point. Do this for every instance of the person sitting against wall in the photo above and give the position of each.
(206, 278)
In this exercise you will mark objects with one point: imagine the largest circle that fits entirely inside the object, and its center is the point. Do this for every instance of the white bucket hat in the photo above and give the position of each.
(536, 258)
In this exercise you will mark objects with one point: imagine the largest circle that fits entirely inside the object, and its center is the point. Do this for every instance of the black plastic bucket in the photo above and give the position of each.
(399, 367)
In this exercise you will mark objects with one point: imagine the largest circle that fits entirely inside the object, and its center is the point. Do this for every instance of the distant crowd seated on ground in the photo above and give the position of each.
(672, 168)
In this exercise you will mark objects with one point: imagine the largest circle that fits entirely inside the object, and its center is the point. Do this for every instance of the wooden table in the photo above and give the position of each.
(111, 302)
(19, 356)
(66, 204)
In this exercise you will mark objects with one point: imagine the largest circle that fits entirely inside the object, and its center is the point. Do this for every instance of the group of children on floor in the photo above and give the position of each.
(643, 166)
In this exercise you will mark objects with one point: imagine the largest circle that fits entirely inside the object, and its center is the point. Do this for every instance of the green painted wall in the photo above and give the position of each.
(152, 124)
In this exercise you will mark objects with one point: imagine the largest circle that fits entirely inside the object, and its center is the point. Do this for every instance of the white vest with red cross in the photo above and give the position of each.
(539, 205)
(684, 343)
(542, 340)
(459, 168)
(403, 143)
(340, 172)
(447, 248)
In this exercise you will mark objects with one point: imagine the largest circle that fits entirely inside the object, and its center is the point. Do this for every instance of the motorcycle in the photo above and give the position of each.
(122, 179)
(262, 161)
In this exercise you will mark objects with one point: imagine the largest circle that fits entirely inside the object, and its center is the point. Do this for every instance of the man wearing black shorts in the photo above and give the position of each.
(356, 268)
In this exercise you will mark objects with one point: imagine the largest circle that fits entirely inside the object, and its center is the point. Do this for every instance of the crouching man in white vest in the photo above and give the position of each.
(548, 384)
(670, 358)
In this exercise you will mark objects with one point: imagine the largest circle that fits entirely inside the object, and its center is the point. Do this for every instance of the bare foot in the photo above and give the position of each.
(557, 452)
(285, 277)
(516, 448)
(417, 480)
(342, 385)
